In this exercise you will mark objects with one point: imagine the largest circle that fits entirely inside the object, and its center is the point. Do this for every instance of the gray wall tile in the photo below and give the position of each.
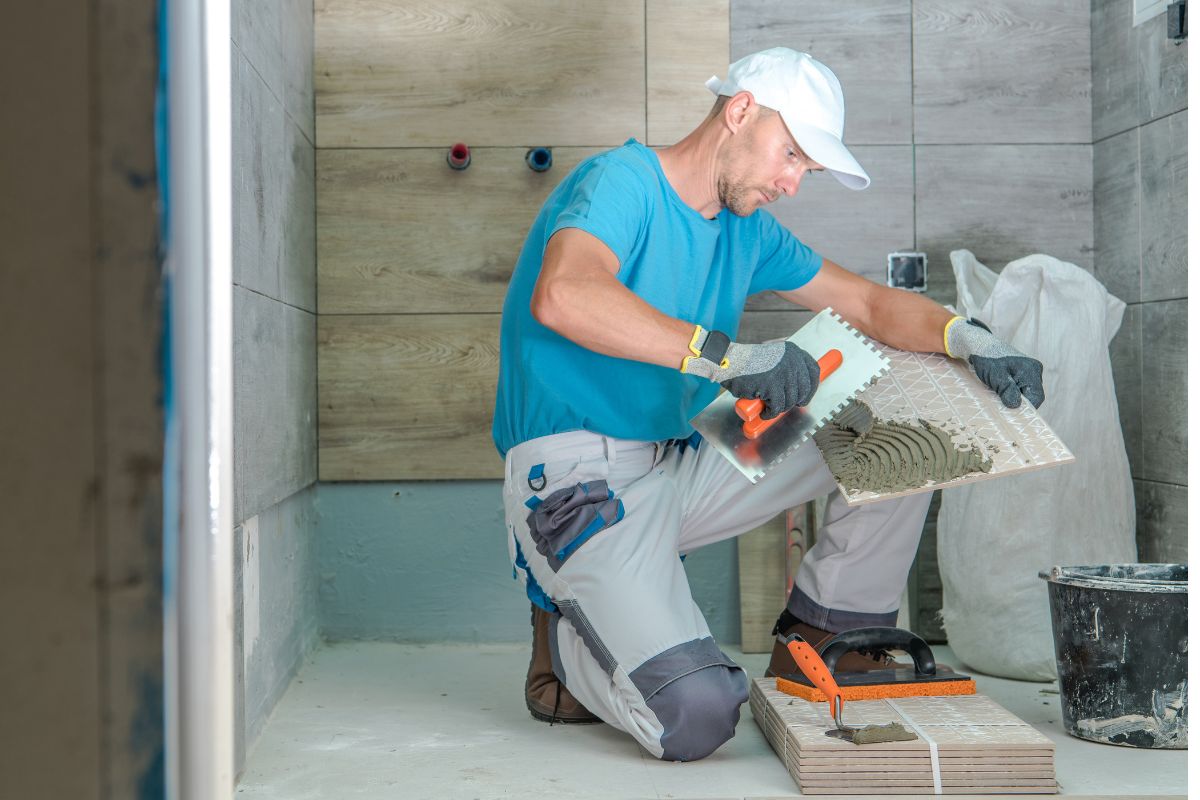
(1125, 350)
(853, 229)
(298, 262)
(1162, 518)
(1163, 207)
(1161, 70)
(274, 395)
(259, 174)
(1118, 254)
(1002, 202)
(296, 37)
(1014, 71)
(867, 44)
(279, 561)
(1114, 68)
(1164, 391)
(255, 29)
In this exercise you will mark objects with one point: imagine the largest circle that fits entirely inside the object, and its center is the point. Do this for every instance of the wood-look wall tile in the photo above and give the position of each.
(867, 44)
(399, 231)
(274, 402)
(1162, 517)
(1114, 69)
(1118, 254)
(1002, 202)
(296, 44)
(260, 158)
(687, 41)
(1009, 71)
(407, 396)
(1162, 67)
(1125, 352)
(1164, 391)
(487, 72)
(298, 261)
(855, 230)
(1163, 208)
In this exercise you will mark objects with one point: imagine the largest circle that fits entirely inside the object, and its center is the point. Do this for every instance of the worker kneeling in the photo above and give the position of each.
(619, 327)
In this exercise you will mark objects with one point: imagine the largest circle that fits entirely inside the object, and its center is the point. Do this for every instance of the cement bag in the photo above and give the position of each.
(995, 536)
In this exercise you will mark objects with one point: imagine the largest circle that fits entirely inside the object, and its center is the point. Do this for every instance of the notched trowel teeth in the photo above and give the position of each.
(861, 365)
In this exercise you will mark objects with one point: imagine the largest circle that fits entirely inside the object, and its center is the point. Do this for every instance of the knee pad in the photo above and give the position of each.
(699, 711)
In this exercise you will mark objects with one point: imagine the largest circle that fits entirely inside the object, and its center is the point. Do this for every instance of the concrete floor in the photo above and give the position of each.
(379, 720)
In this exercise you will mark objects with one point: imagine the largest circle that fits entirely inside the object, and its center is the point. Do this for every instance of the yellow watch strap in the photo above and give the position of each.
(693, 348)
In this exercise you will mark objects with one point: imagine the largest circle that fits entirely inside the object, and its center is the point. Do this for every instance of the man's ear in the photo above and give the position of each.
(739, 111)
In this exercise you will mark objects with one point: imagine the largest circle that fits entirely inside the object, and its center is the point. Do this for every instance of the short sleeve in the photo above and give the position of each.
(784, 262)
(609, 202)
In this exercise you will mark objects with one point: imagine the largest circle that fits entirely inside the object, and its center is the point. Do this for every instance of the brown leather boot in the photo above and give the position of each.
(782, 662)
(546, 698)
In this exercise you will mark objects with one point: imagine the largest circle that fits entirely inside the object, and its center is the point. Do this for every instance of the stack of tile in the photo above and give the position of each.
(966, 745)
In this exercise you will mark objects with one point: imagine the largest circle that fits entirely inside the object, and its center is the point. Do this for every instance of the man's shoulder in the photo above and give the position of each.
(626, 162)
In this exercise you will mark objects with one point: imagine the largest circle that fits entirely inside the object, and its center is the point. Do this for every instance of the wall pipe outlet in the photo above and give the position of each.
(458, 156)
(539, 159)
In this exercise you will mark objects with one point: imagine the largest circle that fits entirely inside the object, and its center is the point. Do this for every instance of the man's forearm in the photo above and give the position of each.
(597, 312)
(907, 321)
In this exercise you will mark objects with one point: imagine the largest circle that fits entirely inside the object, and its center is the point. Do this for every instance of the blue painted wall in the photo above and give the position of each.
(427, 562)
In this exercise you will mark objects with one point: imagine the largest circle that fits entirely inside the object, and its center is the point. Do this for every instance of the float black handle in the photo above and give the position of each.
(876, 639)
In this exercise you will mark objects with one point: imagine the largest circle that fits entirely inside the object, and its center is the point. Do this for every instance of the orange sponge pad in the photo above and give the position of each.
(881, 690)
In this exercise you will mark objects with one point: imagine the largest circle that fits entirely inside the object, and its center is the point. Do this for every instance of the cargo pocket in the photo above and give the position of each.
(568, 517)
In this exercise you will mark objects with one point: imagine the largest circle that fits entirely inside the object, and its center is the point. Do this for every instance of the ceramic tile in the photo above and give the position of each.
(1162, 205)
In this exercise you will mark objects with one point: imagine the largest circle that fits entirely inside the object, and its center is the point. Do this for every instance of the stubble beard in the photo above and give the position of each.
(737, 197)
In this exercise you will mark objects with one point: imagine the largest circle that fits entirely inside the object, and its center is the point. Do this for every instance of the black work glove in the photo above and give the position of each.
(779, 373)
(1006, 370)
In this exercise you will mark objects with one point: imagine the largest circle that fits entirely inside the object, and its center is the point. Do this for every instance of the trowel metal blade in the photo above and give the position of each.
(862, 364)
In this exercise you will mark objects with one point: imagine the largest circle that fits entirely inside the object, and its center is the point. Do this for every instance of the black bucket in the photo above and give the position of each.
(1120, 636)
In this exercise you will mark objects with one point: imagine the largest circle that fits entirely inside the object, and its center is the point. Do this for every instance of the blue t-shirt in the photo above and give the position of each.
(695, 269)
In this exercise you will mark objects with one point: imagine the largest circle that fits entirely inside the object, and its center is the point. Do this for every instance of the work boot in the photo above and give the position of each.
(782, 662)
(545, 697)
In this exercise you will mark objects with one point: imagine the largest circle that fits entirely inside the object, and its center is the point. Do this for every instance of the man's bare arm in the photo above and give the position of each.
(579, 297)
(902, 319)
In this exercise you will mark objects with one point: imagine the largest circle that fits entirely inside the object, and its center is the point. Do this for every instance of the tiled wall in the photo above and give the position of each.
(973, 120)
(274, 304)
(1139, 125)
(274, 253)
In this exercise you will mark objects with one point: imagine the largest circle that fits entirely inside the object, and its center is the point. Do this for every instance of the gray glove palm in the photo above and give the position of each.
(779, 373)
(1006, 370)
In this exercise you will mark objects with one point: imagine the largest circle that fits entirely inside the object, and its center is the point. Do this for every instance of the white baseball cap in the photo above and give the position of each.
(808, 96)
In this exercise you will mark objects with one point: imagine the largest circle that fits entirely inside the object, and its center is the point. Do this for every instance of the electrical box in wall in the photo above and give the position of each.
(906, 271)
(1177, 21)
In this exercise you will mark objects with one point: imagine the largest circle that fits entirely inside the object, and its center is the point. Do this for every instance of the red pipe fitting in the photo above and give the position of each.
(458, 156)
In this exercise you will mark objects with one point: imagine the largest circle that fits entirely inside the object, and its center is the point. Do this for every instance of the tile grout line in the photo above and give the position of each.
(276, 299)
(912, 127)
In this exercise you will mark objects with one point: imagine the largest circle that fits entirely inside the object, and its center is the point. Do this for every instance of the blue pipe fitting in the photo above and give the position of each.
(539, 159)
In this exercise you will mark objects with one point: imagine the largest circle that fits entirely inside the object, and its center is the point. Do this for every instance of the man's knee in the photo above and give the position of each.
(699, 711)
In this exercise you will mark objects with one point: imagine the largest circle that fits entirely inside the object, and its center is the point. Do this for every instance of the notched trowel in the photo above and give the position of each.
(848, 364)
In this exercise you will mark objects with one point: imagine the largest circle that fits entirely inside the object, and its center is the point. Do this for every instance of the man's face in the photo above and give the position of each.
(760, 163)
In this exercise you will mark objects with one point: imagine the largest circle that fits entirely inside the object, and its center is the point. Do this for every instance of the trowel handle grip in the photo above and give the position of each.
(815, 670)
(749, 408)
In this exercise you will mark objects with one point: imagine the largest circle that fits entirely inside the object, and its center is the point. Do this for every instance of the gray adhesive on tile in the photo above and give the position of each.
(865, 453)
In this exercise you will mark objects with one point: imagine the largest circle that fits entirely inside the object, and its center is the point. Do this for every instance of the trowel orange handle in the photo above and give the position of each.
(815, 670)
(749, 408)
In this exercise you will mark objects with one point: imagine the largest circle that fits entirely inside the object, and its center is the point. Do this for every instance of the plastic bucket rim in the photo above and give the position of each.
(1074, 576)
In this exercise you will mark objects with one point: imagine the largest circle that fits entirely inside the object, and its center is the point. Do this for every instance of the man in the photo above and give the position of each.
(618, 328)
